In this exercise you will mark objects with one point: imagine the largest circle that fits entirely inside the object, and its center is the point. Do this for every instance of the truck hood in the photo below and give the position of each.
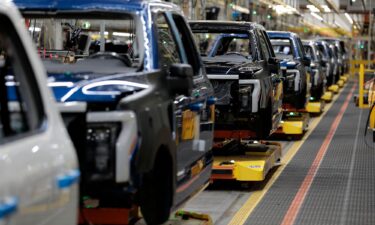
(94, 87)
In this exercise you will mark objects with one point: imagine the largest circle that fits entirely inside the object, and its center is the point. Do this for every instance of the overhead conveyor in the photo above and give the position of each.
(330, 180)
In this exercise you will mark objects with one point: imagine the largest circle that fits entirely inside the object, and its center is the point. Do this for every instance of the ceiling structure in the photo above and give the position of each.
(349, 16)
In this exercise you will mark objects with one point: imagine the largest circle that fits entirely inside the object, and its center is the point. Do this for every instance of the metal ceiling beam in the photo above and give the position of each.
(279, 2)
(316, 4)
(332, 6)
(363, 5)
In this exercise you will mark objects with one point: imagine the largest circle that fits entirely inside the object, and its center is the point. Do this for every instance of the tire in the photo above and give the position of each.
(156, 192)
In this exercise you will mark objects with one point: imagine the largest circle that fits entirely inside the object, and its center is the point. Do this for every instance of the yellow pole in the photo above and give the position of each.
(361, 83)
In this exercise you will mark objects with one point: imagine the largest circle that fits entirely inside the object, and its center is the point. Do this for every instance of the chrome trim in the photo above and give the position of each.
(72, 107)
(316, 76)
(223, 77)
(297, 79)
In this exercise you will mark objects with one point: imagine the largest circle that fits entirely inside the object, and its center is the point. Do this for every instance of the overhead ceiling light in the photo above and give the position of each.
(122, 34)
(284, 9)
(349, 18)
(36, 29)
(317, 16)
(241, 9)
(326, 8)
(313, 8)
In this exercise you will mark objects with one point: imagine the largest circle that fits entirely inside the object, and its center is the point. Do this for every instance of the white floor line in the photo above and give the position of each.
(350, 179)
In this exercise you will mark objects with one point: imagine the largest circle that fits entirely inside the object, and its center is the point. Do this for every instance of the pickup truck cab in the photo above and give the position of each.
(316, 69)
(134, 96)
(342, 52)
(289, 50)
(328, 61)
(336, 56)
(242, 67)
(38, 164)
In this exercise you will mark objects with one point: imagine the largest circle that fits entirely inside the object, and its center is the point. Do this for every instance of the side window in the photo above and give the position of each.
(309, 52)
(21, 110)
(168, 50)
(263, 45)
(321, 51)
(300, 48)
(188, 43)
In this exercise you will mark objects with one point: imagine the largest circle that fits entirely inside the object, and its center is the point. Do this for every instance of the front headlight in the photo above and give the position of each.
(245, 96)
(100, 153)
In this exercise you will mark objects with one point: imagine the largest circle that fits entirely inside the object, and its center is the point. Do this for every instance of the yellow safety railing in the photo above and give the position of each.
(362, 91)
(355, 65)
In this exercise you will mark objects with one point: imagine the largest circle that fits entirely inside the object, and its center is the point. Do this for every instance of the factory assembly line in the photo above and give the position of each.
(153, 112)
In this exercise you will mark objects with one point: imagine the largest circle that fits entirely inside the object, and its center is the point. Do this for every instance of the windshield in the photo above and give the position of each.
(322, 51)
(77, 43)
(283, 48)
(309, 52)
(225, 45)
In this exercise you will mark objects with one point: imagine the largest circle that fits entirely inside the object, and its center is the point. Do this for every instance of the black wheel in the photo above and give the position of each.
(156, 192)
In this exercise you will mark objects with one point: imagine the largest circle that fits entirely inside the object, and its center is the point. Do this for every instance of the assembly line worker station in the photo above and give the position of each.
(187, 112)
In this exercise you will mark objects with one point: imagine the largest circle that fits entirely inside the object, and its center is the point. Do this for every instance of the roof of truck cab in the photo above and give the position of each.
(280, 42)
(330, 39)
(77, 5)
(223, 26)
(308, 42)
(281, 34)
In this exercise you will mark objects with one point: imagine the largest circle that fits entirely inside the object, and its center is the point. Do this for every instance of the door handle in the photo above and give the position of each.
(68, 179)
(8, 206)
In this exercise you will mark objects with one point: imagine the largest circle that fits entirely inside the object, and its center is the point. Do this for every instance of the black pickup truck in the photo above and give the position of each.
(317, 69)
(245, 73)
(289, 49)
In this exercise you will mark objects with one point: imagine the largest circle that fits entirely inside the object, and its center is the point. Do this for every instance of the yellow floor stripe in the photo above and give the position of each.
(243, 214)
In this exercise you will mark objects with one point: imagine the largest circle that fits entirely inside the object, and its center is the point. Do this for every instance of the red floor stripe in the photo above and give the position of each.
(298, 200)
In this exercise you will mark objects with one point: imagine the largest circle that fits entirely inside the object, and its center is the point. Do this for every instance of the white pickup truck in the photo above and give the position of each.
(38, 164)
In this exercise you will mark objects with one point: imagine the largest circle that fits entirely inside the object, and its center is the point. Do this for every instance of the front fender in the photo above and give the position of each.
(154, 110)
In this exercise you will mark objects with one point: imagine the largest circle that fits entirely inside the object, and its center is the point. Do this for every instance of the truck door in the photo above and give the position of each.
(34, 169)
(197, 111)
(192, 144)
